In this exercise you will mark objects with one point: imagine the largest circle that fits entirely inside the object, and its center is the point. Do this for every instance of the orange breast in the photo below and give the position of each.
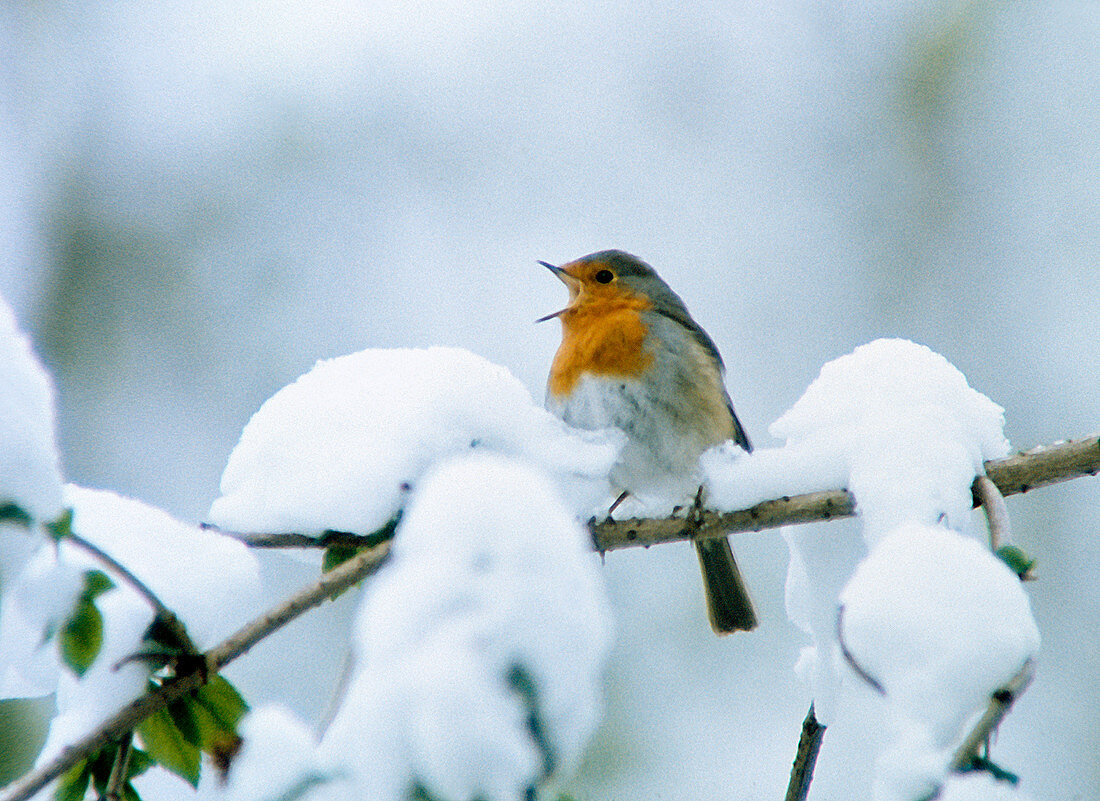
(604, 337)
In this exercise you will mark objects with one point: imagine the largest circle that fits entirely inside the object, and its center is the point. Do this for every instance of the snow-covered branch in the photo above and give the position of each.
(126, 719)
(1038, 467)
(1012, 475)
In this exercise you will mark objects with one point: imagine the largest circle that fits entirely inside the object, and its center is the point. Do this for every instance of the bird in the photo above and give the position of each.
(633, 358)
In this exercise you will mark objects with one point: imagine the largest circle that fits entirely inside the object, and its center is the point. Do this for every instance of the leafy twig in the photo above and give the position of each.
(1000, 702)
(127, 718)
(164, 615)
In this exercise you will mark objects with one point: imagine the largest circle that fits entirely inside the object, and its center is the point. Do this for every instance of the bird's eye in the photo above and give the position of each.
(605, 276)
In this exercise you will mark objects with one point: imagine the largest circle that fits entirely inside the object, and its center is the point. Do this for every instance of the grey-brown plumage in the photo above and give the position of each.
(667, 395)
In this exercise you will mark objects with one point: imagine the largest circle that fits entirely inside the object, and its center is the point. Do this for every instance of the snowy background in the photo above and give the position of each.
(198, 200)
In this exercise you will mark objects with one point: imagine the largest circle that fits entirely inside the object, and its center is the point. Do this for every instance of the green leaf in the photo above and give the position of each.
(96, 583)
(336, 555)
(980, 763)
(61, 527)
(167, 746)
(166, 639)
(14, 513)
(82, 637)
(1020, 563)
(183, 714)
(222, 701)
(219, 708)
(129, 793)
(74, 784)
(139, 762)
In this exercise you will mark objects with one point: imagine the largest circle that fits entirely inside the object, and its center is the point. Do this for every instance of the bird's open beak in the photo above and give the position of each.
(566, 279)
(558, 271)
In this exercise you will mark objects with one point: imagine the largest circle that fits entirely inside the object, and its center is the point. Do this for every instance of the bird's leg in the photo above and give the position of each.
(697, 506)
(622, 497)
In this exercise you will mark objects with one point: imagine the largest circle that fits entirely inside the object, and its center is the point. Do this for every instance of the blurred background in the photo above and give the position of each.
(200, 199)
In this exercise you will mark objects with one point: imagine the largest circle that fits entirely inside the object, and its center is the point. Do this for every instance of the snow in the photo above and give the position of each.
(910, 431)
(278, 753)
(210, 581)
(30, 475)
(342, 447)
(898, 426)
(30, 478)
(929, 613)
(893, 422)
(84, 703)
(940, 623)
(37, 601)
(489, 571)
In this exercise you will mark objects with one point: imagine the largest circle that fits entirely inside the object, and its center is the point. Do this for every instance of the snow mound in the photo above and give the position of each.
(490, 615)
(940, 623)
(30, 476)
(893, 422)
(343, 446)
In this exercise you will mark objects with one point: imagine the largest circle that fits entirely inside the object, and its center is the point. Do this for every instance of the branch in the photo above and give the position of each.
(1047, 464)
(1000, 702)
(1012, 475)
(126, 719)
(802, 771)
(292, 540)
(165, 615)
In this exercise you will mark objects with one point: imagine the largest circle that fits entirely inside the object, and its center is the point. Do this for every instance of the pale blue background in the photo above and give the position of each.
(199, 199)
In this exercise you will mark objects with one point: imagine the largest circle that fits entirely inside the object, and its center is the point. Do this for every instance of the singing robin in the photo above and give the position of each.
(632, 358)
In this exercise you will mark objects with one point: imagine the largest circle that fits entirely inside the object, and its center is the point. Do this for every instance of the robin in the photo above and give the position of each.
(632, 358)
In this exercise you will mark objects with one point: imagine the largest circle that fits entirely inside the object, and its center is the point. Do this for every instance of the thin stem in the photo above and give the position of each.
(292, 540)
(857, 668)
(127, 718)
(119, 770)
(802, 771)
(1000, 702)
(996, 511)
(165, 615)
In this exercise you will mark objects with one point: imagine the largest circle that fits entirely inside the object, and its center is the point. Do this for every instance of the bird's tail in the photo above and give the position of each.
(728, 603)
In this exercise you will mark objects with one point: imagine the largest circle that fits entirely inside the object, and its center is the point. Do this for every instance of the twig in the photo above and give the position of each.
(163, 614)
(127, 718)
(802, 771)
(121, 767)
(857, 668)
(1000, 702)
(1047, 464)
(996, 511)
(1022, 472)
(291, 540)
